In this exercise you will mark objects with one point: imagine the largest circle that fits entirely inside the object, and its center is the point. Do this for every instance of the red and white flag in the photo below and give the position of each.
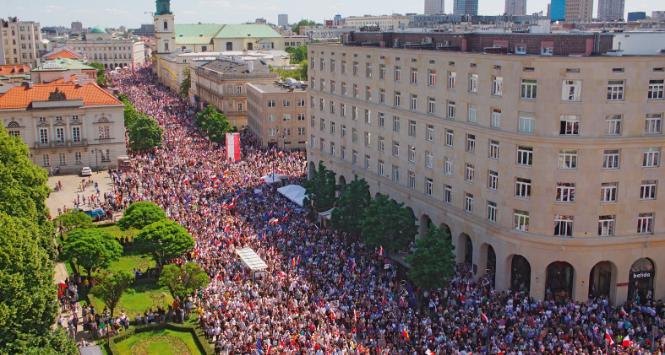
(608, 338)
(484, 318)
(627, 342)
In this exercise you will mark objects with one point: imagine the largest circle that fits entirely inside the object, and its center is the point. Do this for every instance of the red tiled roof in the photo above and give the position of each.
(72, 79)
(63, 53)
(21, 97)
(14, 69)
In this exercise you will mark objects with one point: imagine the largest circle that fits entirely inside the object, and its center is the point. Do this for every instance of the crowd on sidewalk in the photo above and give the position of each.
(325, 293)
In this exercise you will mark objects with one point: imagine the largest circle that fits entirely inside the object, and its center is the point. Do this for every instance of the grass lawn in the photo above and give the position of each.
(162, 342)
(118, 233)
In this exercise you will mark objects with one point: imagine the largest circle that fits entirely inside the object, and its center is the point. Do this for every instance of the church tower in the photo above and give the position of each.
(164, 27)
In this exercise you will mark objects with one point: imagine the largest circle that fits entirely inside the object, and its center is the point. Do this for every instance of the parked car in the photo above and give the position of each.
(97, 214)
(86, 171)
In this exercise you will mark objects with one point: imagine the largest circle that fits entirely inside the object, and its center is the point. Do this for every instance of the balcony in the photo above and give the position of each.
(80, 143)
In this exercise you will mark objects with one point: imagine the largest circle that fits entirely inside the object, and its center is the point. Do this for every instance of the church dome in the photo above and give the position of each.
(97, 29)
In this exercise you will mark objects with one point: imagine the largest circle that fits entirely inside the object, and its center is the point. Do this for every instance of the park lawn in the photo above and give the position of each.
(118, 233)
(139, 298)
(162, 342)
(130, 261)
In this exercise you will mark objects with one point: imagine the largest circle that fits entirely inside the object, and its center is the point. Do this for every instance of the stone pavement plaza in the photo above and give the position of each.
(71, 187)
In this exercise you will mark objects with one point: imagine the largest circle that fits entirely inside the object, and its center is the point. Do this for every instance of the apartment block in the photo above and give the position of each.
(541, 155)
(611, 10)
(579, 11)
(20, 41)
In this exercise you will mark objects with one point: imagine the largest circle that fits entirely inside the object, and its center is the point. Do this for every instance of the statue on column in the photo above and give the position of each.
(163, 7)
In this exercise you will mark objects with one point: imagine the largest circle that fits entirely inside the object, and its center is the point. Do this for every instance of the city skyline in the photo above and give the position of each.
(133, 13)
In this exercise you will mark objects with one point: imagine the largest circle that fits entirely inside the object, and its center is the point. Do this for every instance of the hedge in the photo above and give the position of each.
(199, 338)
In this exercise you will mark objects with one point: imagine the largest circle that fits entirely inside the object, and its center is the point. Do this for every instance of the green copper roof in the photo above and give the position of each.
(201, 33)
(62, 64)
(97, 29)
(163, 7)
(247, 30)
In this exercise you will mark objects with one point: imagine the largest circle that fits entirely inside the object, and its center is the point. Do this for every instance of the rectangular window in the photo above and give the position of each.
(354, 69)
(452, 79)
(332, 149)
(468, 202)
(271, 103)
(380, 143)
(611, 159)
(395, 149)
(492, 180)
(493, 150)
(615, 90)
(653, 123)
(77, 158)
(569, 125)
(521, 220)
(497, 86)
(571, 90)
(333, 86)
(470, 143)
(648, 190)
(397, 100)
(429, 186)
(368, 70)
(342, 131)
(429, 133)
(491, 211)
(565, 192)
(469, 172)
(656, 90)
(495, 118)
(46, 160)
(524, 156)
(354, 113)
(342, 68)
(451, 110)
(379, 168)
(368, 139)
(563, 226)
(529, 89)
(354, 135)
(450, 135)
(412, 154)
(395, 173)
(62, 159)
(431, 105)
(527, 123)
(395, 124)
(43, 136)
(429, 160)
(368, 93)
(382, 119)
(368, 117)
(382, 71)
(367, 159)
(412, 180)
(342, 110)
(412, 128)
(472, 114)
(523, 188)
(332, 127)
(431, 77)
(343, 88)
(398, 73)
(614, 125)
(332, 107)
(473, 83)
(606, 225)
(651, 158)
(568, 159)
(413, 104)
(382, 96)
(447, 166)
(447, 194)
(609, 192)
(322, 124)
(355, 91)
(645, 223)
(60, 135)
(414, 76)
(354, 157)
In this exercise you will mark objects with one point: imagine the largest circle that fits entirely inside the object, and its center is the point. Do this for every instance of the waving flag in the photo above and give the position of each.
(627, 342)
(405, 334)
(608, 338)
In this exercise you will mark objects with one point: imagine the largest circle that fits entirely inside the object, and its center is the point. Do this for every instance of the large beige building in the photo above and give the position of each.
(100, 47)
(545, 166)
(19, 41)
(277, 112)
(66, 126)
(383, 22)
(579, 11)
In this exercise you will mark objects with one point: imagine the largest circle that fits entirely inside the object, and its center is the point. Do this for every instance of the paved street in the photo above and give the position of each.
(71, 188)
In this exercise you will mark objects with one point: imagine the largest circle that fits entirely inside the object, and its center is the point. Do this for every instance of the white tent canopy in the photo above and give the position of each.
(327, 214)
(273, 178)
(252, 260)
(295, 193)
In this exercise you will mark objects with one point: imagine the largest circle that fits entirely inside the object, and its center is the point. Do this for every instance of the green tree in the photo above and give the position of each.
(91, 249)
(320, 189)
(144, 134)
(214, 123)
(73, 219)
(111, 286)
(140, 214)
(389, 224)
(303, 71)
(101, 73)
(186, 83)
(350, 206)
(297, 54)
(433, 262)
(185, 280)
(131, 115)
(165, 240)
(301, 23)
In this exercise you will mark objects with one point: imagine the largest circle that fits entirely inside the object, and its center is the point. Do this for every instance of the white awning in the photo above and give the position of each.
(327, 214)
(273, 178)
(295, 193)
(251, 259)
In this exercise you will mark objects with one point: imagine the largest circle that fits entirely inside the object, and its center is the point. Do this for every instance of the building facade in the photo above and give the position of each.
(611, 10)
(66, 126)
(544, 168)
(277, 114)
(20, 41)
(557, 10)
(282, 20)
(434, 7)
(579, 11)
(223, 84)
(465, 7)
(515, 7)
(98, 46)
(383, 22)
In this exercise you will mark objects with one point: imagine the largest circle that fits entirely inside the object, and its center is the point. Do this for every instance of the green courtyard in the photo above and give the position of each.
(162, 342)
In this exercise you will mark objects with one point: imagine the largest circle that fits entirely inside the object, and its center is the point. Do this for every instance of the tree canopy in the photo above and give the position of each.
(298, 54)
(186, 83)
(73, 219)
(144, 134)
(350, 205)
(140, 214)
(111, 286)
(320, 189)
(91, 249)
(131, 114)
(185, 280)
(165, 240)
(433, 262)
(214, 123)
(389, 224)
(301, 23)
(101, 73)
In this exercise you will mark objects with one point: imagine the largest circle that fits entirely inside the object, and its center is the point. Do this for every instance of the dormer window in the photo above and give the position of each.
(42, 120)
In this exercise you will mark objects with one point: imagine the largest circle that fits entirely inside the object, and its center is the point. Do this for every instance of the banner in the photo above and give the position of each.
(233, 146)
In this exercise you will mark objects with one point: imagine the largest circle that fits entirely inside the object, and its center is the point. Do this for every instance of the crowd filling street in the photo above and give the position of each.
(325, 293)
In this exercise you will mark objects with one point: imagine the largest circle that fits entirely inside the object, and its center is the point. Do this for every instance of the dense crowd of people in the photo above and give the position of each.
(324, 293)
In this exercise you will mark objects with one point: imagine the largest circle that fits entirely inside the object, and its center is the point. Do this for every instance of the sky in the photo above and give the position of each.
(131, 13)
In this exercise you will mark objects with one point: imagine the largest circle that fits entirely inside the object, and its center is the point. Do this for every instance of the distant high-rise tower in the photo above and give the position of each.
(558, 10)
(164, 27)
(434, 7)
(466, 7)
(579, 11)
(515, 7)
(611, 10)
(282, 20)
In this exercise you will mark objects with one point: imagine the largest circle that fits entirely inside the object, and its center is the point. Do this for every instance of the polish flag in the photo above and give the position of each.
(484, 318)
(608, 338)
(627, 342)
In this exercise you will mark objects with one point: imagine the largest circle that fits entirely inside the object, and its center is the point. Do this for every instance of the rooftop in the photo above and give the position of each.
(62, 64)
(203, 33)
(280, 87)
(224, 67)
(63, 52)
(11, 70)
(23, 97)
